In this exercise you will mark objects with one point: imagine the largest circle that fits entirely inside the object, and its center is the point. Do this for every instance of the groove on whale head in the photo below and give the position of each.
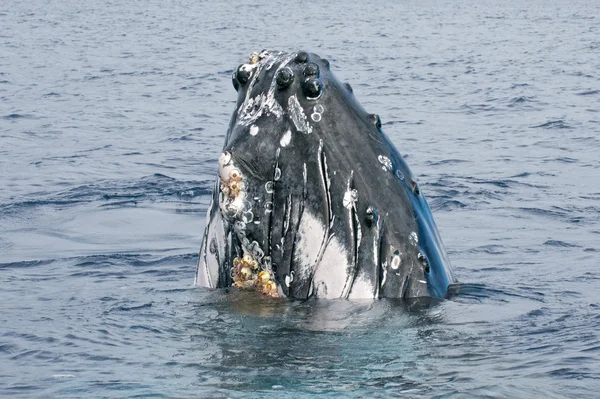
(312, 198)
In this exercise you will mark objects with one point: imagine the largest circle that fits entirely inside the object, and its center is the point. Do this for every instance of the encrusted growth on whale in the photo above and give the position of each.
(312, 199)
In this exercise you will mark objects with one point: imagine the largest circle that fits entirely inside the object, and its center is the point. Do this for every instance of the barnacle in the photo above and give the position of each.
(246, 275)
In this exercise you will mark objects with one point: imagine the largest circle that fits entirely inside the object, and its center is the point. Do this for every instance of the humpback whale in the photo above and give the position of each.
(312, 199)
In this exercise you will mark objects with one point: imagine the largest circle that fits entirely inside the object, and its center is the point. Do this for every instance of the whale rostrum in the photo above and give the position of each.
(312, 199)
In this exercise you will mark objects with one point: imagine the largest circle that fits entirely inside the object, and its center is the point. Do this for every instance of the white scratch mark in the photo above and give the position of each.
(350, 197)
(413, 238)
(286, 139)
(385, 162)
(297, 115)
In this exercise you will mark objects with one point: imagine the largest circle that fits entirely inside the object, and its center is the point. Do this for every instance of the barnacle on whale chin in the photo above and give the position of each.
(247, 275)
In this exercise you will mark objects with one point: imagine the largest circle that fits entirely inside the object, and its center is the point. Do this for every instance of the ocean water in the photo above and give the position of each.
(113, 114)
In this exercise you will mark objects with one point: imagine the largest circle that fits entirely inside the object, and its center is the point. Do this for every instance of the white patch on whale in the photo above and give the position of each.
(297, 115)
(350, 197)
(253, 130)
(310, 236)
(362, 288)
(286, 139)
(212, 250)
(385, 162)
(413, 238)
(331, 273)
(253, 108)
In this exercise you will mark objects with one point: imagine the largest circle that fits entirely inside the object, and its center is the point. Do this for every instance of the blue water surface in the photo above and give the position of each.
(113, 114)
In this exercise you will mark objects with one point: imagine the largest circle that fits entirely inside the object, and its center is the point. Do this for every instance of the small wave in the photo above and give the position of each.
(545, 212)
(477, 108)
(560, 159)
(489, 249)
(522, 99)
(554, 124)
(562, 244)
(130, 308)
(445, 204)
(504, 183)
(447, 162)
(17, 116)
(403, 122)
(588, 93)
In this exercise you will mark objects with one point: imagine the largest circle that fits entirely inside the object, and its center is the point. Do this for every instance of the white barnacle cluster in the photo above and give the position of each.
(233, 189)
(297, 115)
(413, 238)
(350, 198)
(317, 114)
(286, 139)
(386, 163)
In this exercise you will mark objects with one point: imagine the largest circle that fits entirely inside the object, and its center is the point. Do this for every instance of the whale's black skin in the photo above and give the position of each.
(313, 191)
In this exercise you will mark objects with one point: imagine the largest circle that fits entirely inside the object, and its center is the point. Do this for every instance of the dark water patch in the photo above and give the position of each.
(553, 214)
(129, 260)
(525, 103)
(560, 159)
(588, 93)
(146, 328)
(447, 162)
(184, 138)
(554, 124)
(489, 249)
(472, 109)
(120, 204)
(561, 244)
(446, 204)
(133, 308)
(402, 122)
(12, 117)
(503, 183)
(25, 264)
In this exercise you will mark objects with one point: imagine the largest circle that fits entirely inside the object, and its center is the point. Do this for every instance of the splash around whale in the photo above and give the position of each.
(312, 199)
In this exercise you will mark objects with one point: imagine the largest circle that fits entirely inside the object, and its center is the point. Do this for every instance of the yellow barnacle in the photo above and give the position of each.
(264, 276)
(245, 273)
(270, 289)
(254, 58)
(244, 284)
(247, 259)
(236, 262)
(253, 265)
(233, 189)
(235, 174)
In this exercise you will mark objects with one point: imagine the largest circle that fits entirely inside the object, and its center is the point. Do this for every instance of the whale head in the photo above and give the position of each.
(312, 198)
